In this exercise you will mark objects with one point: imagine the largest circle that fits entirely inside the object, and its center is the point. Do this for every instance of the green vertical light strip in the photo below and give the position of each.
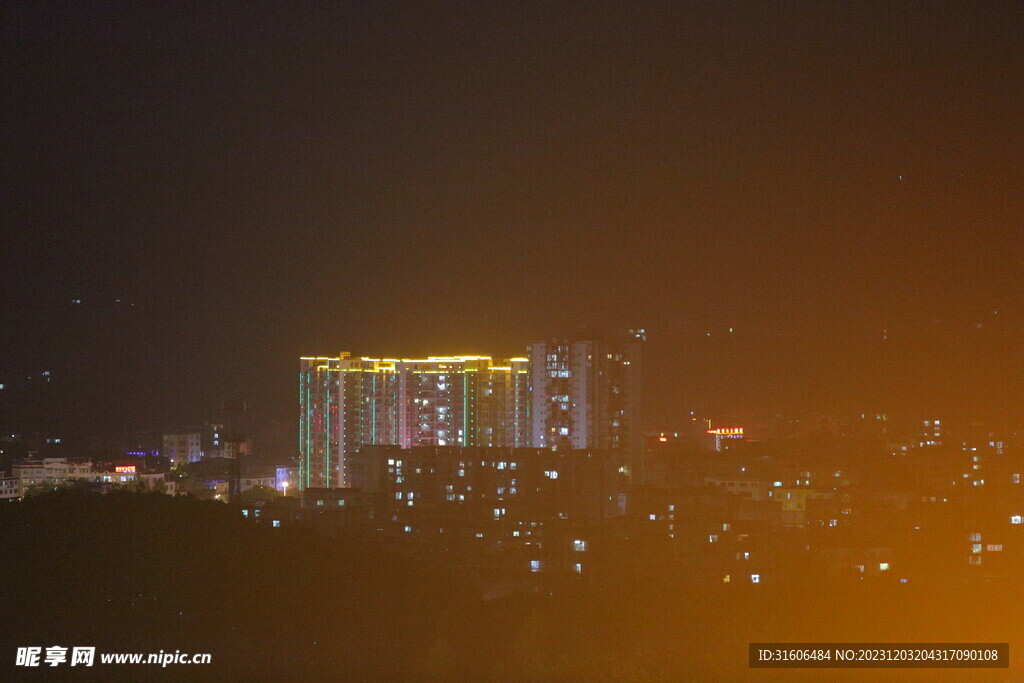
(309, 431)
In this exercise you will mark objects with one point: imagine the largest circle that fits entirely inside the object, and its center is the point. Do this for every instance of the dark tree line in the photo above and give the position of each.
(141, 572)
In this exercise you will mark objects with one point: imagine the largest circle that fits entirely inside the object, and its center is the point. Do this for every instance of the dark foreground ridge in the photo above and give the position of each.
(144, 572)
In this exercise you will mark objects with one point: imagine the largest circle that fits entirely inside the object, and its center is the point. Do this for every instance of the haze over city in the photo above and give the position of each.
(226, 188)
(511, 340)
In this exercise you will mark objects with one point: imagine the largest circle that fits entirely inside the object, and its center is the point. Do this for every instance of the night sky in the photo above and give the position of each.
(226, 187)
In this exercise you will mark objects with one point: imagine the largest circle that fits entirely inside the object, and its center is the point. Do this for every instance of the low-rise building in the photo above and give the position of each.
(252, 481)
(287, 479)
(183, 448)
(9, 488)
(61, 472)
(752, 487)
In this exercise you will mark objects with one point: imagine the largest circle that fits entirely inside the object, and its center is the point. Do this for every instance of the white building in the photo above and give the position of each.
(29, 473)
(750, 487)
(56, 472)
(287, 479)
(50, 472)
(586, 394)
(179, 448)
(9, 488)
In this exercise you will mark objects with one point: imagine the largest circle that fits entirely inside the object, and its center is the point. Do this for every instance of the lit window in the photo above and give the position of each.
(277, 523)
(534, 565)
(975, 547)
(994, 547)
(883, 566)
(579, 546)
(755, 578)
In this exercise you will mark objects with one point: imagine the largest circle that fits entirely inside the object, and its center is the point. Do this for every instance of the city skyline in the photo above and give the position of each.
(569, 340)
(42, 404)
(565, 394)
(347, 403)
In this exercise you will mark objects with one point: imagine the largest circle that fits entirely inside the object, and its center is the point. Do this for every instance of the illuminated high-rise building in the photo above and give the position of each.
(346, 403)
(463, 401)
(586, 394)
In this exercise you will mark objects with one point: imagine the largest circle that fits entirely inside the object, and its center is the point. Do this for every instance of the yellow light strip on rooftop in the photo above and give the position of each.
(392, 363)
